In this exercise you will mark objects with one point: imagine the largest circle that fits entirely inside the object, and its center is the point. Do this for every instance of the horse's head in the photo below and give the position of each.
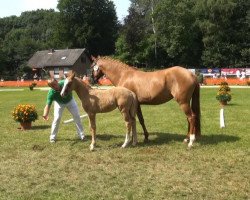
(68, 85)
(54, 84)
(96, 69)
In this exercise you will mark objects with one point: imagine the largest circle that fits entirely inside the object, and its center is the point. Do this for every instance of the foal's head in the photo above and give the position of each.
(68, 85)
(96, 69)
(54, 84)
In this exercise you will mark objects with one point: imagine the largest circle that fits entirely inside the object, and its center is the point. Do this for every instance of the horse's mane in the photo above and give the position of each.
(118, 62)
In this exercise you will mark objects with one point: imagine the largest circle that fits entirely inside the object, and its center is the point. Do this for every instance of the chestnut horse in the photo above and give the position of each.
(100, 101)
(153, 88)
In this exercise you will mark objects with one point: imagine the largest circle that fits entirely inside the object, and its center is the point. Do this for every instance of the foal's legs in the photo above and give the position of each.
(141, 120)
(92, 124)
(128, 124)
(191, 123)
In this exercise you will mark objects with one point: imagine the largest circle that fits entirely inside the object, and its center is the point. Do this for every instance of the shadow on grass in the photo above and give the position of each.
(106, 137)
(161, 139)
(103, 137)
(40, 127)
(232, 104)
(213, 139)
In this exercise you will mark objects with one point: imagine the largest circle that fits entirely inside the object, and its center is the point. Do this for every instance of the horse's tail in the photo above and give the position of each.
(196, 109)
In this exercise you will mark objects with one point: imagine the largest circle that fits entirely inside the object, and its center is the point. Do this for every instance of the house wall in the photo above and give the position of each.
(60, 74)
(81, 68)
(81, 65)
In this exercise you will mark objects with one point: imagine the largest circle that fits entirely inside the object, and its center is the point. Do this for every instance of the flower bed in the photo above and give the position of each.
(230, 81)
(104, 81)
(43, 83)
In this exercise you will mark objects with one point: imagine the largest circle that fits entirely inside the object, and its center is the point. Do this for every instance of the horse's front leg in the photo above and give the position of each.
(128, 126)
(127, 140)
(141, 120)
(92, 124)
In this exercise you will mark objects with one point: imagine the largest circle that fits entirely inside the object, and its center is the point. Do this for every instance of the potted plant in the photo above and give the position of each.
(223, 94)
(25, 114)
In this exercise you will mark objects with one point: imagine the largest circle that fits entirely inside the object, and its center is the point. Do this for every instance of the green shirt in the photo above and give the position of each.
(54, 95)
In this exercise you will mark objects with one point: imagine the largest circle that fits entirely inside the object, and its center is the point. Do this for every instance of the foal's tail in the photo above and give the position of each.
(196, 109)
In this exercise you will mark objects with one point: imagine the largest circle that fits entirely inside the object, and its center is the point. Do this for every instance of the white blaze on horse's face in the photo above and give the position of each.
(97, 73)
(96, 68)
(64, 87)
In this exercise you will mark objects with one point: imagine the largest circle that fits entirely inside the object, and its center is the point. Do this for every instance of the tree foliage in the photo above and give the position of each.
(24, 35)
(156, 33)
(207, 33)
(225, 33)
(89, 23)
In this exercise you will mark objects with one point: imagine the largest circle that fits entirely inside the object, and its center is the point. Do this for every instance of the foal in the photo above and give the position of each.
(100, 101)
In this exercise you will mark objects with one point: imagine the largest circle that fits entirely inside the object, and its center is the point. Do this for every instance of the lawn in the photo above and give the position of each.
(217, 167)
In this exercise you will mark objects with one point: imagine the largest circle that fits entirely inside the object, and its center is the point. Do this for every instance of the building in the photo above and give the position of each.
(56, 63)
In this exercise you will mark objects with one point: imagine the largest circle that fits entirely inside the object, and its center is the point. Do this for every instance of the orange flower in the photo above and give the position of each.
(24, 113)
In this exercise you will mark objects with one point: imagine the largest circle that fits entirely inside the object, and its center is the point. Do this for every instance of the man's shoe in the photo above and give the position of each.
(52, 141)
(83, 138)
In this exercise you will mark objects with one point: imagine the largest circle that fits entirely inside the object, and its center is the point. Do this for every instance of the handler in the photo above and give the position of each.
(59, 104)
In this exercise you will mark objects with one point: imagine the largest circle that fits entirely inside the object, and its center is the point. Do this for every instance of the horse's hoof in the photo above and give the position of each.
(91, 148)
(124, 146)
(185, 140)
(146, 140)
(134, 144)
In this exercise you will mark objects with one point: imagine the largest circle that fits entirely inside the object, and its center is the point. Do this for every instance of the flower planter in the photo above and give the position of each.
(25, 114)
(223, 94)
(223, 103)
(25, 125)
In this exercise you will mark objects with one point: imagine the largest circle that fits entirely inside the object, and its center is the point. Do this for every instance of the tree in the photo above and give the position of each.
(162, 32)
(88, 23)
(41, 26)
(225, 32)
(21, 36)
(136, 42)
(177, 32)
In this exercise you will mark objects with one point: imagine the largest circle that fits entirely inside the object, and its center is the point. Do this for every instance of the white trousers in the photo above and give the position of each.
(58, 110)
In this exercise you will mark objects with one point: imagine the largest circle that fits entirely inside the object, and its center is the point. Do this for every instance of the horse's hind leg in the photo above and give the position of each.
(141, 120)
(186, 140)
(92, 124)
(191, 123)
(134, 133)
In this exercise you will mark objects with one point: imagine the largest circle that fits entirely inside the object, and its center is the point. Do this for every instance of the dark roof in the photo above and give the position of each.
(55, 58)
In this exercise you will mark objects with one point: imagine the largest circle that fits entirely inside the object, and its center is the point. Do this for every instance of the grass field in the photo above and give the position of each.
(217, 167)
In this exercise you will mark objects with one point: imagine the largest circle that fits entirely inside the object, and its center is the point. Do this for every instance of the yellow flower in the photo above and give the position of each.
(24, 113)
